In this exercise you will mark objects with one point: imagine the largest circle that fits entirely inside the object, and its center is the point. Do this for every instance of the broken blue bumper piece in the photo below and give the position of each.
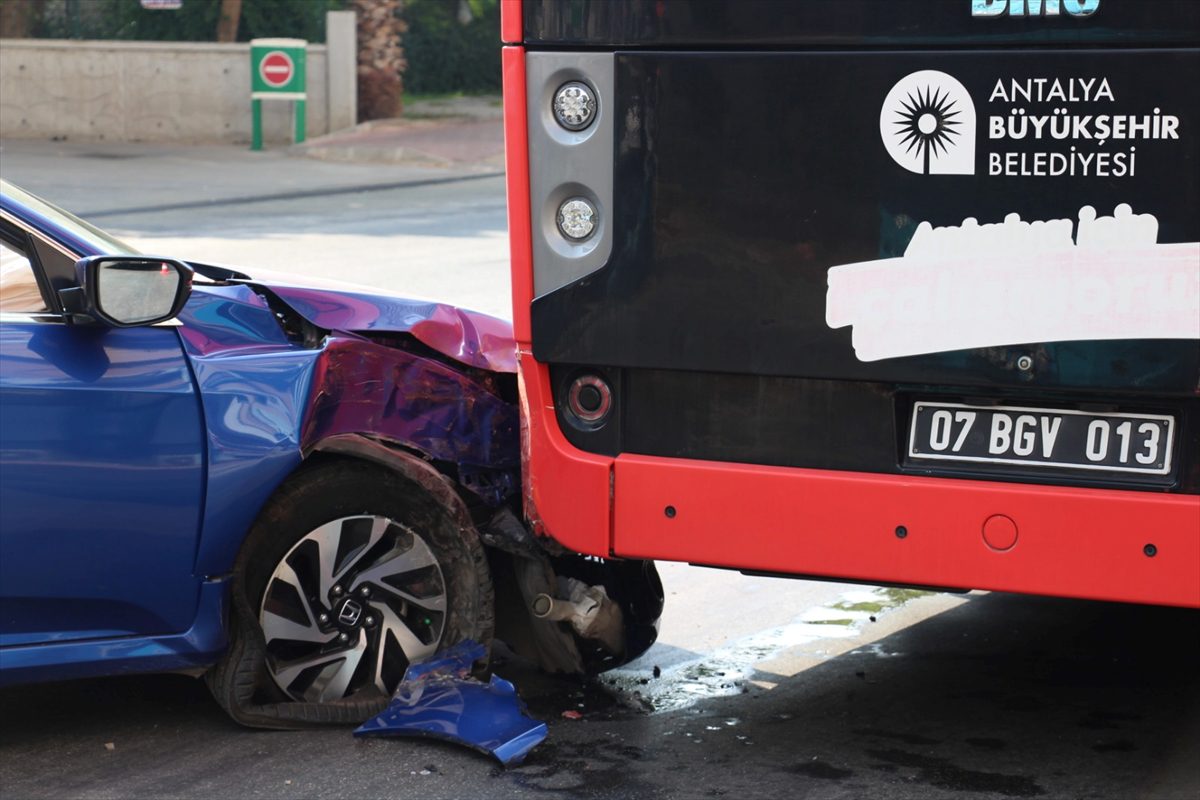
(439, 699)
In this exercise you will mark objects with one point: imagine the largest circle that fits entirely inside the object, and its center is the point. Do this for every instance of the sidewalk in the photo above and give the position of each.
(434, 140)
(464, 134)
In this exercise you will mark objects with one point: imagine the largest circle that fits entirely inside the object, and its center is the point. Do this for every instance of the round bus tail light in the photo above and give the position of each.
(576, 219)
(589, 398)
(574, 105)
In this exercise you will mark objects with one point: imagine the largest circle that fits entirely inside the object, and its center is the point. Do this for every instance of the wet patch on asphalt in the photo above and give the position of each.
(1119, 746)
(907, 738)
(1106, 720)
(731, 669)
(943, 774)
(819, 769)
(986, 743)
(582, 769)
(554, 697)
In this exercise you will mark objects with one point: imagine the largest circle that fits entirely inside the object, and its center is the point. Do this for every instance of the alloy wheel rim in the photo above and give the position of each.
(349, 607)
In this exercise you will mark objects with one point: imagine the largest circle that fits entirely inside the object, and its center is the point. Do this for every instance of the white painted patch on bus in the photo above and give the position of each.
(1017, 282)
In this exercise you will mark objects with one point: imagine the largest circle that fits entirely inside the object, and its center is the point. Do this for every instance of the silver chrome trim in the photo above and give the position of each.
(53, 316)
(31, 316)
(41, 237)
(564, 164)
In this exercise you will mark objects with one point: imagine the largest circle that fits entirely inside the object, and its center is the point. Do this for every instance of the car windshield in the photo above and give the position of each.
(98, 239)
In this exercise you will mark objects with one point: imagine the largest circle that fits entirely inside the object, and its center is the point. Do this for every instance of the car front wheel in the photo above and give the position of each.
(350, 574)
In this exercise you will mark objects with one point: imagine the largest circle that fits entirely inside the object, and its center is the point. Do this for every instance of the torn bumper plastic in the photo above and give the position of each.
(439, 699)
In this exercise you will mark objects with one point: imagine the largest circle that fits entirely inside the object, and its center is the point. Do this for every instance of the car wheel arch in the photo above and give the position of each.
(402, 461)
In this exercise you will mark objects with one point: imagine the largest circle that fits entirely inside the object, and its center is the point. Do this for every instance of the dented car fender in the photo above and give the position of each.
(271, 398)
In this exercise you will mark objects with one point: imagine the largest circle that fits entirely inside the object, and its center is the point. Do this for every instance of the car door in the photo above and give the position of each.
(101, 465)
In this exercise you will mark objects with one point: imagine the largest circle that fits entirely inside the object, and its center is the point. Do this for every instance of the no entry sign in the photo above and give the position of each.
(277, 73)
(277, 69)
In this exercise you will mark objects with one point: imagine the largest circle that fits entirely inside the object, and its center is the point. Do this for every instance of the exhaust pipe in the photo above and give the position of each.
(591, 612)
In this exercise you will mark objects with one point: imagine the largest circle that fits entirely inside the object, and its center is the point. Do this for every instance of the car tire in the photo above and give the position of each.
(345, 560)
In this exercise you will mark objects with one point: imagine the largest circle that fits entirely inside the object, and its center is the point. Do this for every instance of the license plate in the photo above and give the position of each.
(1041, 437)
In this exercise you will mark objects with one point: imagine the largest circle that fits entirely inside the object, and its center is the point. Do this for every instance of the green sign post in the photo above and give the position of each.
(277, 72)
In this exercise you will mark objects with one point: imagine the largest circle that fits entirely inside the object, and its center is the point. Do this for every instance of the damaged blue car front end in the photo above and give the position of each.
(176, 468)
(274, 388)
(278, 386)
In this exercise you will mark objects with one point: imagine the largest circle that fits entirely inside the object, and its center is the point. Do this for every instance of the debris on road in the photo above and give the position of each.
(439, 699)
(571, 714)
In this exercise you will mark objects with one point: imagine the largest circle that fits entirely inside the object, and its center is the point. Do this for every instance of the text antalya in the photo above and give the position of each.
(1060, 124)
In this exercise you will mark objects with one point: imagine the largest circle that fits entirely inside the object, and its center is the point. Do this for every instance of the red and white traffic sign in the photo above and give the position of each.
(276, 69)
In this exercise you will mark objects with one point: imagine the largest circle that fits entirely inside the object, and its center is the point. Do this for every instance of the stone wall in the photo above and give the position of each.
(155, 92)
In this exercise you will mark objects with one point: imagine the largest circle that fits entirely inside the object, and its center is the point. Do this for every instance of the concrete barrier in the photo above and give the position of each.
(152, 92)
(341, 37)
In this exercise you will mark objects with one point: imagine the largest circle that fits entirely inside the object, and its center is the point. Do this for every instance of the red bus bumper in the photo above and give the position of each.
(1107, 545)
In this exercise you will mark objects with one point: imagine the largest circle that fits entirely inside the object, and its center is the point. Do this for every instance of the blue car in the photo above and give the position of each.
(294, 491)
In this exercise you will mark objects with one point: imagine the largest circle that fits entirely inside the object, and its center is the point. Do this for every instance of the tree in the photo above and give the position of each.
(380, 58)
(18, 17)
(227, 20)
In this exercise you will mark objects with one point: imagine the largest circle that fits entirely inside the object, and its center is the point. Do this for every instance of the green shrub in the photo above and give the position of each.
(196, 21)
(445, 55)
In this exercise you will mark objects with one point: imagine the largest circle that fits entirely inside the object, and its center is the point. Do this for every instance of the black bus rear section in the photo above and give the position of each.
(949, 239)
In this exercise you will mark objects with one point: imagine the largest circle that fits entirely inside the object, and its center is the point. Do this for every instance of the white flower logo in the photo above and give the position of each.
(928, 124)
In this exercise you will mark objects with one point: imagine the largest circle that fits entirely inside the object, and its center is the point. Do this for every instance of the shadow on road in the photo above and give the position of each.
(1005, 696)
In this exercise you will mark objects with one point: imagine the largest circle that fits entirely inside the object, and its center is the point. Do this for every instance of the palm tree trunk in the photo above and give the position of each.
(17, 17)
(227, 21)
(380, 57)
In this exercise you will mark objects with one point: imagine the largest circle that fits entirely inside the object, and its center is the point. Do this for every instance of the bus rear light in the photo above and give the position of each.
(574, 105)
(576, 219)
(589, 398)
(570, 165)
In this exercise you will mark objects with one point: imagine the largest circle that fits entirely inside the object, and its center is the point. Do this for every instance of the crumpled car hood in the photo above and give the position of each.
(468, 337)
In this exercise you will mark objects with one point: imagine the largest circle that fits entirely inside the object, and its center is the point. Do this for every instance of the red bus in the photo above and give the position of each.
(902, 293)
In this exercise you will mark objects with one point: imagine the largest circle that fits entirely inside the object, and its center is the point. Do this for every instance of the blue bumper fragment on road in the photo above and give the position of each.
(439, 699)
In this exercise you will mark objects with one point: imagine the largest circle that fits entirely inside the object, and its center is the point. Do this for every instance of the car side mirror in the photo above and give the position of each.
(129, 291)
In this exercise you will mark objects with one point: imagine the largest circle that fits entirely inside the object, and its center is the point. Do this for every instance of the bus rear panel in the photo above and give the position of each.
(899, 292)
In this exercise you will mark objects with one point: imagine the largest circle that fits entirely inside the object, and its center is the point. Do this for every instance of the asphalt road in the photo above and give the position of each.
(999, 697)
(767, 687)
